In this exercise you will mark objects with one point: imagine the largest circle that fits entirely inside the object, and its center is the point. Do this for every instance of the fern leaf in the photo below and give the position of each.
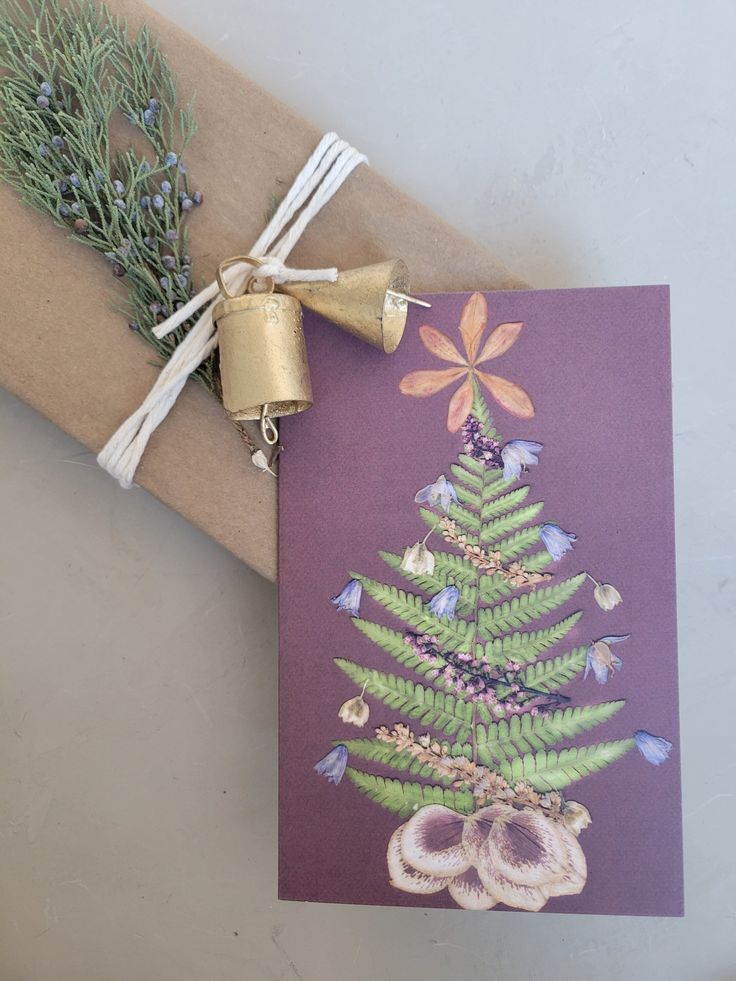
(405, 798)
(523, 647)
(410, 608)
(549, 770)
(492, 531)
(474, 466)
(468, 497)
(457, 567)
(518, 543)
(481, 413)
(378, 751)
(500, 505)
(505, 616)
(495, 484)
(521, 734)
(441, 577)
(432, 708)
(432, 521)
(470, 478)
(554, 672)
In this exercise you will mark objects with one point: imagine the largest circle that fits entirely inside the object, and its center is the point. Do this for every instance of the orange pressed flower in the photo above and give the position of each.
(473, 321)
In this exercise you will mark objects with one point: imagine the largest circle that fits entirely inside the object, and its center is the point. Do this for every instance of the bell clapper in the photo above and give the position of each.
(269, 432)
(409, 299)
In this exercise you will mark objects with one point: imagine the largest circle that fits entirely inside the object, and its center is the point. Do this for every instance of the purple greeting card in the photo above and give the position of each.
(478, 675)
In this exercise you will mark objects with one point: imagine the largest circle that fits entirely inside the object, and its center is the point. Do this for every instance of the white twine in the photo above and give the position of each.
(323, 174)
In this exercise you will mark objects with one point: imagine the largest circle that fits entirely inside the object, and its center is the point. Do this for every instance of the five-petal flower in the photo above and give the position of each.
(473, 321)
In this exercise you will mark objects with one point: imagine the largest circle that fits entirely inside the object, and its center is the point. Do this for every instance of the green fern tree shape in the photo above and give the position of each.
(492, 622)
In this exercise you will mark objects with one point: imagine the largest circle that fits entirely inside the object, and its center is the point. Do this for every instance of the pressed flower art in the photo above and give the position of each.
(479, 683)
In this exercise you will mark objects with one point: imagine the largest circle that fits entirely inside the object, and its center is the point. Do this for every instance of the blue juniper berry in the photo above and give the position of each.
(157, 201)
(149, 117)
(42, 149)
(187, 204)
(168, 262)
(58, 142)
(198, 197)
(170, 159)
(42, 102)
(172, 235)
(145, 202)
(119, 187)
(45, 88)
(74, 180)
(166, 187)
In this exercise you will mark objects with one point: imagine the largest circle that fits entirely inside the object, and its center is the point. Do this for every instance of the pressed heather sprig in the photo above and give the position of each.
(500, 688)
(482, 448)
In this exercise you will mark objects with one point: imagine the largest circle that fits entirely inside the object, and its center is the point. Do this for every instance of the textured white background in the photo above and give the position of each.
(585, 143)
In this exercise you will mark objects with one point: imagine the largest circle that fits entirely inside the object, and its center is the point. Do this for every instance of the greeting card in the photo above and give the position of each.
(478, 676)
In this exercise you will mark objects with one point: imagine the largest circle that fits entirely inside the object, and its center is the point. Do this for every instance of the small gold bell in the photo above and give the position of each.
(263, 357)
(370, 302)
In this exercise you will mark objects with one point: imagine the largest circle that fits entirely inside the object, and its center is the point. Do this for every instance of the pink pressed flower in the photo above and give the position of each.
(473, 322)
(498, 855)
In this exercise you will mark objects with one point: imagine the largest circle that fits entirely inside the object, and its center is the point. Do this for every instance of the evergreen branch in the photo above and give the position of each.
(522, 609)
(405, 798)
(549, 770)
(436, 709)
(522, 734)
(65, 72)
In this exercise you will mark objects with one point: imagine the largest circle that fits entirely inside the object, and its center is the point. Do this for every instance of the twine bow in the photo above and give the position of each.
(327, 169)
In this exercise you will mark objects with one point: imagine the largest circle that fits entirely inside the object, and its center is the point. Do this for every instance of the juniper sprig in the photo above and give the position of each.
(93, 135)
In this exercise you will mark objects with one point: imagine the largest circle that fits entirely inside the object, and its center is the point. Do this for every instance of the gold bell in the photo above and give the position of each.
(263, 357)
(371, 302)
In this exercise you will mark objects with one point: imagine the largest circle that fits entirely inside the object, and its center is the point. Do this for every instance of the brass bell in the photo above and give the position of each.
(263, 356)
(371, 302)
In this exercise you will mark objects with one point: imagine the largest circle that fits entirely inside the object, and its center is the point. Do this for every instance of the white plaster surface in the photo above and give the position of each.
(586, 143)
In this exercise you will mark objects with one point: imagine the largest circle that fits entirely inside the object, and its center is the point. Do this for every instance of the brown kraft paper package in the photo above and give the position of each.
(69, 354)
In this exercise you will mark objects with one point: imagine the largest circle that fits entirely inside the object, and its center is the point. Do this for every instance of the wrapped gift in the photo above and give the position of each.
(68, 352)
